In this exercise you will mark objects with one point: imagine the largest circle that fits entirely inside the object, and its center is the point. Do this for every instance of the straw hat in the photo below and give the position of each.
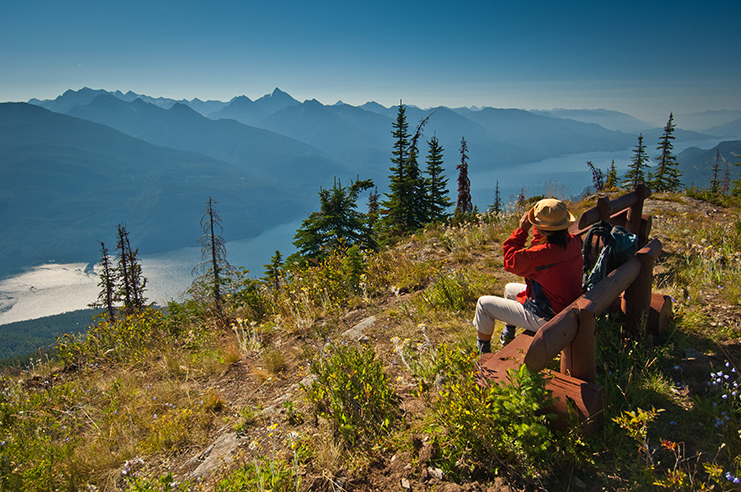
(550, 214)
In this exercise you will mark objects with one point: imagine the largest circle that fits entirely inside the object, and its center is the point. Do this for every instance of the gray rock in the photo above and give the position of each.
(219, 453)
(358, 331)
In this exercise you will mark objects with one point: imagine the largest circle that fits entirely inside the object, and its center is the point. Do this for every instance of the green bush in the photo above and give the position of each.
(125, 340)
(451, 292)
(496, 428)
(352, 391)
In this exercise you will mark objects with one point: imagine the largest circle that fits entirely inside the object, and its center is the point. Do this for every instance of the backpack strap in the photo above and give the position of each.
(596, 241)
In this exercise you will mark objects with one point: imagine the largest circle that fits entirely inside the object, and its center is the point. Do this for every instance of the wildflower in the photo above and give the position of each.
(272, 428)
(293, 437)
(668, 444)
(254, 445)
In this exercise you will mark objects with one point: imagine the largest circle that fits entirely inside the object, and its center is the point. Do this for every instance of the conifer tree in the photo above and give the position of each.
(337, 225)
(464, 205)
(274, 272)
(496, 208)
(107, 297)
(598, 177)
(437, 185)
(132, 283)
(373, 208)
(666, 177)
(639, 161)
(611, 182)
(396, 207)
(715, 180)
(418, 202)
(213, 252)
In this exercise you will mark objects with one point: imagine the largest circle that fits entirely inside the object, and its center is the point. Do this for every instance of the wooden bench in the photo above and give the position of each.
(572, 332)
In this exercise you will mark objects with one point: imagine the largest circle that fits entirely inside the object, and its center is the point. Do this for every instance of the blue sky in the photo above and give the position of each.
(646, 58)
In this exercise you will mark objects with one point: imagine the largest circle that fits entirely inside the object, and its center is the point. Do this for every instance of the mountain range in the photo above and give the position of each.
(75, 166)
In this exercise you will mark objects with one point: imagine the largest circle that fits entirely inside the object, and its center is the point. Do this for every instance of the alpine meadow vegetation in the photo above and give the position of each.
(127, 405)
(352, 365)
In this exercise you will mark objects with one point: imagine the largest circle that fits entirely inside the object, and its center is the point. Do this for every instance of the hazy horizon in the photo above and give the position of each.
(643, 59)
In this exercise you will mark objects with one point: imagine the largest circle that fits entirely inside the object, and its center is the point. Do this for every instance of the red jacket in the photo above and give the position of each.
(553, 274)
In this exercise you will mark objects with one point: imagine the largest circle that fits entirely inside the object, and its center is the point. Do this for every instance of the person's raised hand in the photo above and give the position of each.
(525, 224)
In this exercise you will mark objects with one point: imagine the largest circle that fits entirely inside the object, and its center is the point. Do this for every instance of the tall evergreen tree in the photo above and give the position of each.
(107, 297)
(396, 207)
(213, 252)
(132, 282)
(464, 204)
(666, 177)
(639, 161)
(337, 225)
(437, 184)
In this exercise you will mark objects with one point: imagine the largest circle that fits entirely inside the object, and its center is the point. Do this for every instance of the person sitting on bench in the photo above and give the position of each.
(551, 266)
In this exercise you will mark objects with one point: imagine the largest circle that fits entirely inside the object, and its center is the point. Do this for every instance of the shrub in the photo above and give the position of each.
(126, 340)
(496, 428)
(452, 292)
(263, 475)
(352, 391)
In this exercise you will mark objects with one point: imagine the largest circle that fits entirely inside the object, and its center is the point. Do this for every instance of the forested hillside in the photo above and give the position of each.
(33, 339)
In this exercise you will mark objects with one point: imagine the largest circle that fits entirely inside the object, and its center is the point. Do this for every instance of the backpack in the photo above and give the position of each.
(605, 248)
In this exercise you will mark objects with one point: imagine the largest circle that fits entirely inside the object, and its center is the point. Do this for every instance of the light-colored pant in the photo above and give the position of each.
(507, 309)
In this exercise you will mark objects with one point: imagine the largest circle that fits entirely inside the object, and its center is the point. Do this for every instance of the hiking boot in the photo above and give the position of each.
(484, 347)
(505, 339)
(508, 334)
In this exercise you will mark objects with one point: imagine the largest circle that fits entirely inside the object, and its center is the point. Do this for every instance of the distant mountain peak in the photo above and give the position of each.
(181, 108)
(240, 99)
(277, 92)
(276, 101)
